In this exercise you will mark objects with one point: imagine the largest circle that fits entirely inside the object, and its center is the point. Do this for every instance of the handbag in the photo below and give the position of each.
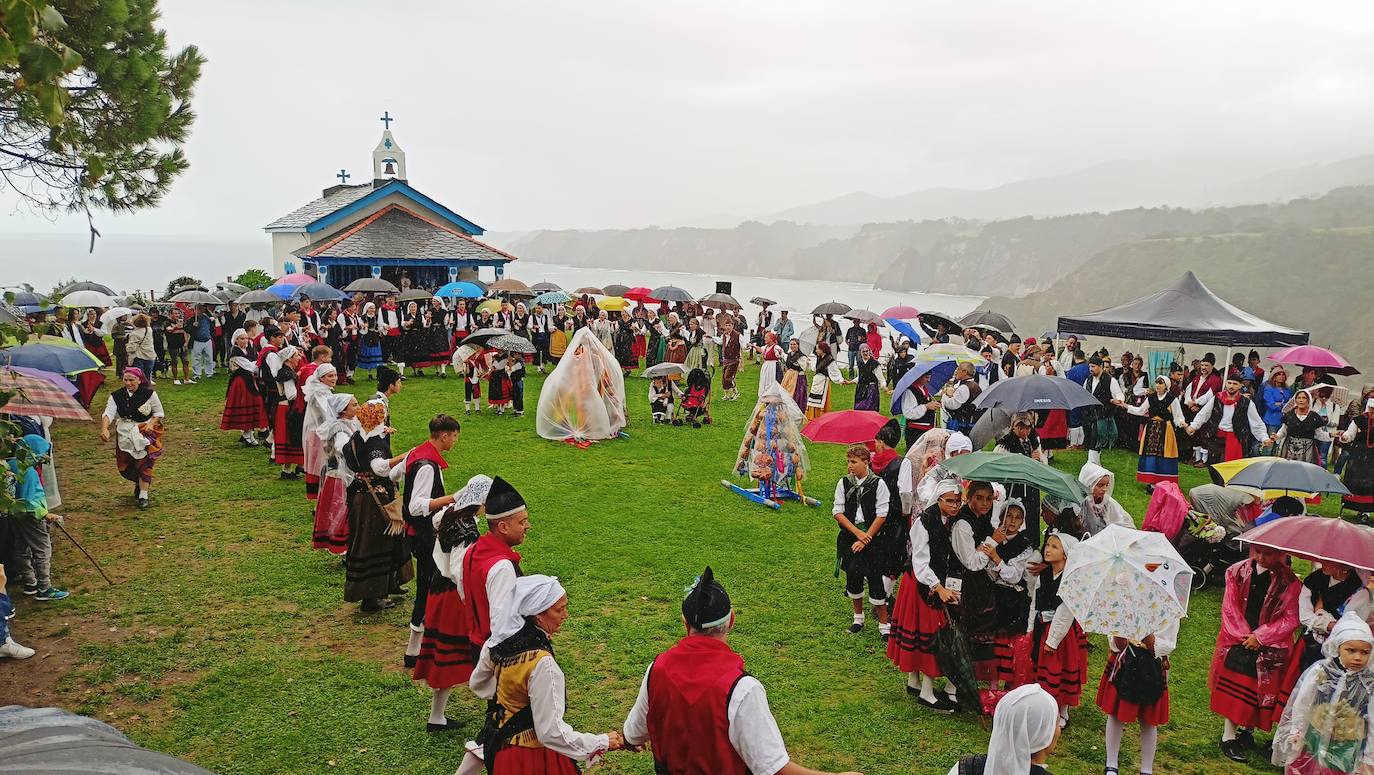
(1138, 676)
(396, 524)
(1241, 660)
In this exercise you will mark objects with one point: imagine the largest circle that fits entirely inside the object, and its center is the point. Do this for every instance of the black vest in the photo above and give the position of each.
(967, 412)
(1332, 595)
(1159, 407)
(422, 525)
(1254, 601)
(862, 497)
(359, 453)
(1240, 420)
(941, 549)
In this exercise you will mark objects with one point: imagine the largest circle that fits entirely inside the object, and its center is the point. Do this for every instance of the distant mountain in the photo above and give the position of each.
(1116, 185)
(1316, 280)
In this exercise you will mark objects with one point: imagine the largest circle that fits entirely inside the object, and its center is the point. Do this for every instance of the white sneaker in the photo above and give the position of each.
(176, 382)
(14, 650)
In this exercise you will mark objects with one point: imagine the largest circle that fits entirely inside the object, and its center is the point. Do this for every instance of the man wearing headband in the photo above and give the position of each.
(1198, 394)
(423, 470)
(1358, 475)
(491, 565)
(1099, 424)
(1234, 426)
(697, 707)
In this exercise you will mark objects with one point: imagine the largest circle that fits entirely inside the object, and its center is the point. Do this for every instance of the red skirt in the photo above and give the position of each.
(243, 409)
(446, 655)
(1235, 696)
(1064, 672)
(1156, 714)
(911, 644)
(312, 486)
(515, 760)
(1054, 433)
(284, 450)
(331, 517)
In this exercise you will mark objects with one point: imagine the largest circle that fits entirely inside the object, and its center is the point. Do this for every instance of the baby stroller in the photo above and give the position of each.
(1207, 542)
(696, 404)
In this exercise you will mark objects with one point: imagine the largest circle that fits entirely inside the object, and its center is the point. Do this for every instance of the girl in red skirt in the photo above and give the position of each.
(446, 653)
(1061, 648)
(1122, 712)
(919, 612)
(243, 409)
(288, 416)
(331, 508)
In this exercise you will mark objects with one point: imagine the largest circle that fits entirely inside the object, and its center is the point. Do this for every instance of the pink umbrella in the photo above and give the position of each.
(295, 278)
(1315, 357)
(59, 381)
(851, 426)
(1329, 539)
(902, 312)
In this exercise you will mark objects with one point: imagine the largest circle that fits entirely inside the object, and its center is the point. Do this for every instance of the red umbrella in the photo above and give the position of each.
(851, 426)
(38, 398)
(295, 278)
(638, 293)
(1315, 357)
(1325, 539)
(901, 312)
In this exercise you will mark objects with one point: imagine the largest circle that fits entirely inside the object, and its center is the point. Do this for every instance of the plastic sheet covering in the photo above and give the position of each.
(584, 398)
(53, 740)
(773, 449)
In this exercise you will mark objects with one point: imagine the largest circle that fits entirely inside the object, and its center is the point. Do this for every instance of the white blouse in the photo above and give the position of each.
(548, 701)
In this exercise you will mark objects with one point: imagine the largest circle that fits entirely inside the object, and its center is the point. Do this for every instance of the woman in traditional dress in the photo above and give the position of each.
(376, 549)
(1158, 460)
(641, 329)
(604, 330)
(771, 371)
(331, 508)
(794, 372)
(1296, 436)
(1023, 440)
(1120, 711)
(699, 352)
(412, 337)
(867, 381)
(319, 386)
(446, 653)
(500, 390)
(559, 337)
(243, 409)
(93, 338)
(137, 414)
(369, 339)
(1327, 594)
(517, 671)
(827, 372)
(288, 415)
(625, 344)
(1358, 441)
(438, 337)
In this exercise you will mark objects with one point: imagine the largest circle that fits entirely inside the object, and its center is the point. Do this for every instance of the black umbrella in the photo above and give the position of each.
(931, 320)
(762, 301)
(985, 317)
(720, 300)
(614, 290)
(86, 285)
(996, 333)
(482, 335)
(994, 424)
(831, 308)
(370, 285)
(670, 294)
(546, 286)
(260, 296)
(1036, 392)
(510, 343)
(1293, 475)
(55, 740)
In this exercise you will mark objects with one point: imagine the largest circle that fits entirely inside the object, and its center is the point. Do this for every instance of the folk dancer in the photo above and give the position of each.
(423, 473)
(137, 415)
(1233, 426)
(1158, 461)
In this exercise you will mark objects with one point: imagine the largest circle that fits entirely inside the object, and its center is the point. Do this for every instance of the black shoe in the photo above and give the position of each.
(444, 727)
(855, 628)
(940, 705)
(287, 475)
(411, 659)
(1235, 751)
(1246, 737)
(143, 503)
(376, 604)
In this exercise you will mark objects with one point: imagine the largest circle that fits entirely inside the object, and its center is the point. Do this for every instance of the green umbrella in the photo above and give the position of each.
(1009, 468)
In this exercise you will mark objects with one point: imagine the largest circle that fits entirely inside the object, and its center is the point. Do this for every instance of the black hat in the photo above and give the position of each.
(890, 434)
(387, 376)
(271, 331)
(1175, 366)
(707, 604)
(1095, 361)
(1103, 353)
(1014, 339)
(1326, 380)
(1254, 354)
(1210, 358)
(986, 349)
(502, 500)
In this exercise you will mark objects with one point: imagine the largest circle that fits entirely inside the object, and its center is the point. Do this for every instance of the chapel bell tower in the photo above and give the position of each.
(388, 160)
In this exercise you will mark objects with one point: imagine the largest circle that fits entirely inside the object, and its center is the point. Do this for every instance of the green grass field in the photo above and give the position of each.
(227, 642)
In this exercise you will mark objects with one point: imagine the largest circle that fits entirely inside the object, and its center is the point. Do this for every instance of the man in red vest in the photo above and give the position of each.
(698, 708)
(491, 565)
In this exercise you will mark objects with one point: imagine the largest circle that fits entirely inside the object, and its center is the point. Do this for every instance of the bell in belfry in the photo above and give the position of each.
(390, 168)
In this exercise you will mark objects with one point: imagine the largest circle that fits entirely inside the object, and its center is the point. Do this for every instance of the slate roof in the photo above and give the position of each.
(396, 232)
(308, 214)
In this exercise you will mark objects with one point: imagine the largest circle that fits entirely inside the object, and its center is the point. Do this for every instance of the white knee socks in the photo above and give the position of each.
(413, 647)
(1228, 732)
(1114, 731)
(438, 705)
(1149, 737)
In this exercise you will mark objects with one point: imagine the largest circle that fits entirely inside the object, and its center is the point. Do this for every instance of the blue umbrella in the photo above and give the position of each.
(320, 292)
(57, 359)
(23, 298)
(551, 298)
(939, 371)
(283, 292)
(904, 328)
(459, 290)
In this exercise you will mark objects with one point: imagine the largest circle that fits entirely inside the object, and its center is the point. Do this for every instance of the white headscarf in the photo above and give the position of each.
(531, 596)
(1350, 627)
(1023, 723)
(946, 486)
(1065, 540)
(958, 442)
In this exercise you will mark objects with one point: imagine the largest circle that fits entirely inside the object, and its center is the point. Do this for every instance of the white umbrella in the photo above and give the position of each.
(664, 369)
(1126, 582)
(87, 299)
(107, 320)
(806, 340)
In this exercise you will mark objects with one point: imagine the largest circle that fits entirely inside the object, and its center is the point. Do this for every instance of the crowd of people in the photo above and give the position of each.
(925, 548)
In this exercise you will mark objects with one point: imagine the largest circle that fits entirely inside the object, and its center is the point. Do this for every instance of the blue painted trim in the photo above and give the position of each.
(326, 261)
(396, 187)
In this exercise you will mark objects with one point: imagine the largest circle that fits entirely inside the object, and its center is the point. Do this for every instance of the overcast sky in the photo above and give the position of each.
(616, 114)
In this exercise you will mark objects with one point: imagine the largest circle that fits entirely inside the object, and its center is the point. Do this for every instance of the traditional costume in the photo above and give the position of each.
(1233, 423)
(138, 428)
(793, 377)
(1158, 461)
(376, 552)
(730, 352)
(1023, 725)
(289, 415)
(316, 397)
(243, 408)
(1054, 628)
(1296, 437)
(1200, 392)
(961, 408)
(1322, 601)
(1245, 683)
(863, 502)
(331, 507)
(1095, 514)
(698, 708)
(827, 372)
(771, 371)
(424, 481)
(1358, 441)
(1120, 712)
(1329, 726)
(369, 339)
(490, 567)
(526, 692)
(918, 613)
(917, 417)
(1099, 430)
(867, 392)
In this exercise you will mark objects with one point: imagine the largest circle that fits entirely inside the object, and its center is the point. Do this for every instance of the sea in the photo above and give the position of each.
(130, 263)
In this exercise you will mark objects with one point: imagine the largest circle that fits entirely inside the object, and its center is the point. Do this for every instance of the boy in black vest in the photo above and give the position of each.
(861, 503)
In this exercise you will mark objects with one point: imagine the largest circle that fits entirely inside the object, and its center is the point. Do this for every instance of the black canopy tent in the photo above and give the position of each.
(1187, 312)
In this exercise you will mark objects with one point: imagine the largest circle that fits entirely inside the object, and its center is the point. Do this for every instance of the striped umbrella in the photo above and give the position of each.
(38, 398)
